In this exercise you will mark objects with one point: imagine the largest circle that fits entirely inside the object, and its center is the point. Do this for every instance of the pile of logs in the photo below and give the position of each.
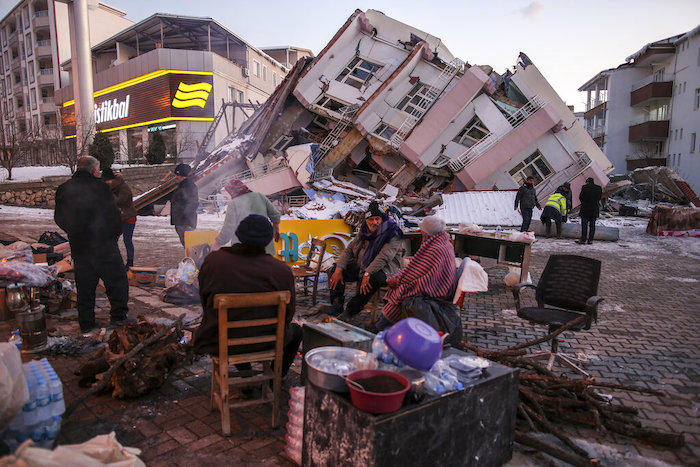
(546, 401)
(131, 363)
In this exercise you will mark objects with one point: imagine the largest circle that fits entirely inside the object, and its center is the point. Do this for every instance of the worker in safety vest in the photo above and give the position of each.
(554, 210)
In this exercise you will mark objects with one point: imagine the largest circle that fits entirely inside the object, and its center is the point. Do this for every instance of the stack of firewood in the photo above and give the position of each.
(547, 401)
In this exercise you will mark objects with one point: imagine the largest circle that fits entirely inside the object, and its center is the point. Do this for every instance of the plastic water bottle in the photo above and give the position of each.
(499, 231)
(58, 405)
(31, 416)
(16, 339)
(433, 385)
(43, 399)
(51, 432)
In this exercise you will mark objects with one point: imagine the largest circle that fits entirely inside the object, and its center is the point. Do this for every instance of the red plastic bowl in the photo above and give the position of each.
(377, 402)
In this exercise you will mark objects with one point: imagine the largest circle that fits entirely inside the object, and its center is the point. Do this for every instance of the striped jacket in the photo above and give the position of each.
(431, 272)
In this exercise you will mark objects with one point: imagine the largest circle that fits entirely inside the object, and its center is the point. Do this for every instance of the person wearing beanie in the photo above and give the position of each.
(431, 272)
(243, 203)
(374, 254)
(184, 202)
(246, 268)
(125, 202)
(590, 197)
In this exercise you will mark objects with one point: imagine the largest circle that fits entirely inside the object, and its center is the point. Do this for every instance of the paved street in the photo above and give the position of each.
(647, 335)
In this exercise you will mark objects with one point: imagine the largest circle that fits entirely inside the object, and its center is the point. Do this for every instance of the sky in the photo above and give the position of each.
(570, 41)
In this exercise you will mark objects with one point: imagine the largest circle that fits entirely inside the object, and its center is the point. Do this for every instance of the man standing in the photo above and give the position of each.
(527, 198)
(590, 208)
(184, 202)
(245, 268)
(244, 203)
(87, 212)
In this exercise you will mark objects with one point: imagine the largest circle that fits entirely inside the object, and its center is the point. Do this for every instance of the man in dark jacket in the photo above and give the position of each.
(184, 202)
(527, 198)
(87, 212)
(590, 208)
(245, 268)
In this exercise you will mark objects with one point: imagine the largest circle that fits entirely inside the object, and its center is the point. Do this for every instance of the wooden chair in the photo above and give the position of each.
(567, 293)
(312, 269)
(270, 331)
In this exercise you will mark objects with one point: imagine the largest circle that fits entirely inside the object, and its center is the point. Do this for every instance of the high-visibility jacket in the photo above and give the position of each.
(558, 202)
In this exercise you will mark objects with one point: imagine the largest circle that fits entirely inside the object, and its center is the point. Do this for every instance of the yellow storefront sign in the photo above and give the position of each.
(296, 237)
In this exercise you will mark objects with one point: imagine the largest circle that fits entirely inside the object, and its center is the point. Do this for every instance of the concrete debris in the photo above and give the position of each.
(386, 111)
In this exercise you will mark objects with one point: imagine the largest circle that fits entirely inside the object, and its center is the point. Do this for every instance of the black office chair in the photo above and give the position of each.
(566, 291)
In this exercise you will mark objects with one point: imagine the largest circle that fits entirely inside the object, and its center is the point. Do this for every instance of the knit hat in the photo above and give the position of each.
(183, 170)
(255, 230)
(590, 180)
(107, 174)
(374, 210)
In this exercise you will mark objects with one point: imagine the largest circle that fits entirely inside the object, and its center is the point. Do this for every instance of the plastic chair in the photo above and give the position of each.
(567, 290)
(312, 269)
(247, 341)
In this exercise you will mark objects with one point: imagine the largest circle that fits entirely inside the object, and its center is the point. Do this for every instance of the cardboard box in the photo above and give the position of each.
(142, 277)
(39, 258)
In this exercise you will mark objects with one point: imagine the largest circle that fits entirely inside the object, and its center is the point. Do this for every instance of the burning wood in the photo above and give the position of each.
(547, 400)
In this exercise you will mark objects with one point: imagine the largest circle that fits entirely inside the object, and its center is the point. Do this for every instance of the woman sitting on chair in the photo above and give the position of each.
(431, 272)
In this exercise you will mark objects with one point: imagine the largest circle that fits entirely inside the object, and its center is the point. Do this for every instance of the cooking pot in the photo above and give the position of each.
(327, 367)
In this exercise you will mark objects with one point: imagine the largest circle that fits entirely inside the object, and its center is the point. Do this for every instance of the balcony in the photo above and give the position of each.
(45, 77)
(16, 63)
(43, 49)
(650, 130)
(653, 90)
(595, 108)
(47, 105)
(637, 163)
(40, 21)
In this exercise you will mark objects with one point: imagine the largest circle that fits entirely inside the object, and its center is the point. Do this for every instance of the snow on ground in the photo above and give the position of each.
(28, 174)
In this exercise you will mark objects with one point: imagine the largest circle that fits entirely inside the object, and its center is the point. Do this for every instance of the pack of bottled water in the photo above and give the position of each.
(40, 418)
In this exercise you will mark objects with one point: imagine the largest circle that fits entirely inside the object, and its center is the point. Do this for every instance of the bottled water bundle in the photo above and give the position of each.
(295, 425)
(40, 418)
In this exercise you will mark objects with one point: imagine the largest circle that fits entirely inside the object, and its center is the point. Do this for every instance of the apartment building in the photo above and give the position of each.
(388, 104)
(287, 55)
(647, 110)
(35, 38)
(177, 75)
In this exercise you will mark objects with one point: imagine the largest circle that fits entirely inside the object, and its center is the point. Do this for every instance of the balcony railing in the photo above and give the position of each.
(46, 71)
(597, 131)
(43, 43)
(39, 13)
(653, 79)
(578, 165)
(595, 103)
(257, 172)
(490, 140)
(648, 118)
(47, 100)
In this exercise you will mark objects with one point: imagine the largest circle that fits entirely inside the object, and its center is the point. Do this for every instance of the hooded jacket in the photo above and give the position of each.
(526, 197)
(123, 196)
(590, 200)
(184, 203)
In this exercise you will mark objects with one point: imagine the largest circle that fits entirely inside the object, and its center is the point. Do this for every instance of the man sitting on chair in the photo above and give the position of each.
(431, 272)
(245, 268)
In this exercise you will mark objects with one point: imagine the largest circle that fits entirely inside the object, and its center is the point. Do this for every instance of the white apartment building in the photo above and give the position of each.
(173, 74)
(647, 110)
(35, 38)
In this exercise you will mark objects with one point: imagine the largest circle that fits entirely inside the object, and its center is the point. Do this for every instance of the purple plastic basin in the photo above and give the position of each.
(415, 343)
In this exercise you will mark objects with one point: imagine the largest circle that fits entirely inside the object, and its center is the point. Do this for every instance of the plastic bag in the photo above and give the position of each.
(181, 293)
(187, 270)
(442, 315)
(198, 253)
(52, 238)
(29, 274)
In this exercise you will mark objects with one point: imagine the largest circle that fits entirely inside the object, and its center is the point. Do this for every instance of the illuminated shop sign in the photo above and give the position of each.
(160, 97)
(152, 129)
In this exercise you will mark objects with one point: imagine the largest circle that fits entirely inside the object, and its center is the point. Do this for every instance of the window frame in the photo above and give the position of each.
(693, 141)
(410, 103)
(353, 71)
(519, 173)
(257, 66)
(384, 131)
(475, 123)
(696, 101)
(325, 99)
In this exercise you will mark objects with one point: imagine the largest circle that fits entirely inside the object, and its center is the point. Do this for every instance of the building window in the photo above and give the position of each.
(384, 131)
(681, 137)
(358, 72)
(659, 74)
(329, 103)
(282, 143)
(241, 97)
(31, 72)
(693, 137)
(685, 83)
(472, 133)
(32, 95)
(25, 12)
(417, 100)
(28, 41)
(264, 76)
(274, 78)
(232, 94)
(696, 101)
(535, 166)
(256, 68)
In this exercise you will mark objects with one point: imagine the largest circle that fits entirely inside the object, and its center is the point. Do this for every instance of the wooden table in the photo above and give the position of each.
(502, 249)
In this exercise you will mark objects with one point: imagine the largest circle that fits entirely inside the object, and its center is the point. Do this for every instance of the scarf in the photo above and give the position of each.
(431, 272)
(377, 239)
(236, 188)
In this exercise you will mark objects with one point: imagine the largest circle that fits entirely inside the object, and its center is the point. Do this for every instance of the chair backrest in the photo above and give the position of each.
(568, 281)
(317, 250)
(241, 334)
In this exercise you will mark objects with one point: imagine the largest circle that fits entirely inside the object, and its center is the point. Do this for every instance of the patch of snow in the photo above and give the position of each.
(681, 279)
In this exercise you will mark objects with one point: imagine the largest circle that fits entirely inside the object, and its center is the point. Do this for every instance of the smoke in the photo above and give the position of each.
(530, 11)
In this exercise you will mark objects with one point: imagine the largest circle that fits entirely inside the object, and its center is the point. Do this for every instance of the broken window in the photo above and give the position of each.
(282, 143)
(358, 72)
(384, 131)
(472, 133)
(533, 166)
(417, 100)
(330, 104)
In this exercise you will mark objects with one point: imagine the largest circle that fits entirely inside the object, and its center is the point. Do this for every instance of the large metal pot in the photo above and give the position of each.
(327, 367)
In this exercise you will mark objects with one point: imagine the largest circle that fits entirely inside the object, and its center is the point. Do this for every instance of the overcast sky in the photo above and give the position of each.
(570, 41)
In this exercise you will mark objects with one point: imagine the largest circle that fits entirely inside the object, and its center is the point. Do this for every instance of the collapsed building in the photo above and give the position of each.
(387, 107)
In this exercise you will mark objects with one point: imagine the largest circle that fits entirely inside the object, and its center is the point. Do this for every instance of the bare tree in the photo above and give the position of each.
(75, 147)
(13, 145)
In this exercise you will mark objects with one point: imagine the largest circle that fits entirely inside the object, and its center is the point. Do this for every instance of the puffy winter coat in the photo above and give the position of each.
(123, 196)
